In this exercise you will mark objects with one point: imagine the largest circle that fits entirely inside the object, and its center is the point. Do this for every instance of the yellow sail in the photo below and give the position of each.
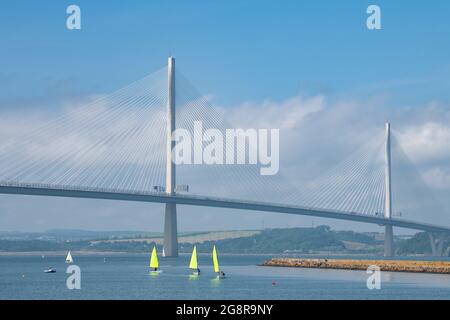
(194, 262)
(154, 259)
(215, 260)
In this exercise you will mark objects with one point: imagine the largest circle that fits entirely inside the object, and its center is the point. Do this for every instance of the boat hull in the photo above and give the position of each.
(155, 272)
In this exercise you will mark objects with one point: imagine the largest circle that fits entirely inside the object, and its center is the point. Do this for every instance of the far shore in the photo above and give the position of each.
(286, 255)
(60, 253)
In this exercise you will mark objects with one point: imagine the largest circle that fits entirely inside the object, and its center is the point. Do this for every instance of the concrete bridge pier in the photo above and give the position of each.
(437, 244)
(170, 231)
(388, 242)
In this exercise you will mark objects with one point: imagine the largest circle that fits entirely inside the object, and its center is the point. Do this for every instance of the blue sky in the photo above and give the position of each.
(237, 50)
(315, 60)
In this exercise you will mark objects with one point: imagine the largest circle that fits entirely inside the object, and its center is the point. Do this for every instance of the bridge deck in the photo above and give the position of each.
(124, 195)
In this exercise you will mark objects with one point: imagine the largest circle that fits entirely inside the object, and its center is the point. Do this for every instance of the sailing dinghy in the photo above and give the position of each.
(194, 262)
(220, 274)
(69, 258)
(154, 263)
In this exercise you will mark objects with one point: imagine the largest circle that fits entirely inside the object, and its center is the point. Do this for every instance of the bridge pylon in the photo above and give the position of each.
(170, 218)
(388, 232)
(437, 244)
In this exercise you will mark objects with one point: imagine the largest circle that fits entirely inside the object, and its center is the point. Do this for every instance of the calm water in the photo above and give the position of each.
(127, 277)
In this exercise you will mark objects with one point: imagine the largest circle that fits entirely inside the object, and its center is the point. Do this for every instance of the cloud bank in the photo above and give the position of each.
(316, 134)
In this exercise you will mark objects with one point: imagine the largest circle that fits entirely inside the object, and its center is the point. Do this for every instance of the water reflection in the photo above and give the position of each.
(194, 277)
(215, 282)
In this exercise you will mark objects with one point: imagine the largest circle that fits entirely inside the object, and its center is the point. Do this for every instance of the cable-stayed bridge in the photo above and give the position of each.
(118, 147)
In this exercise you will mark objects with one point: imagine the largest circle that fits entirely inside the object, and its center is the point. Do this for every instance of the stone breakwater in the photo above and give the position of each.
(442, 267)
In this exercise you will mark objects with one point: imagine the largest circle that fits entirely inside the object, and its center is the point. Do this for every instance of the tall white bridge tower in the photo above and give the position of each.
(388, 233)
(170, 218)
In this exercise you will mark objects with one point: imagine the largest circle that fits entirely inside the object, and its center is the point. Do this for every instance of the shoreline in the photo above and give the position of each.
(319, 255)
(413, 266)
(58, 253)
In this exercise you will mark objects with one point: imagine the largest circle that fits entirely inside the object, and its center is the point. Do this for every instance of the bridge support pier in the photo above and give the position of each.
(170, 231)
(388, 242)
(437, 244)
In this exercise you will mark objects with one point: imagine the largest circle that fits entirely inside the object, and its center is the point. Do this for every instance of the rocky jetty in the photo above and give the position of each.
(442, 267)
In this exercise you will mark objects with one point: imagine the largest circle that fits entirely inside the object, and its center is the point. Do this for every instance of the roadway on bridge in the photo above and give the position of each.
(182, 199)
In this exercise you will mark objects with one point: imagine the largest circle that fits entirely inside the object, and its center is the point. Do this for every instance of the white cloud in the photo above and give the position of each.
(438, 177)
(426, 142)
(286, 115)
(315, 133)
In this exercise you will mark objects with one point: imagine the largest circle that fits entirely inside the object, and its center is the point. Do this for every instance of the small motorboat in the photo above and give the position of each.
(50, 270)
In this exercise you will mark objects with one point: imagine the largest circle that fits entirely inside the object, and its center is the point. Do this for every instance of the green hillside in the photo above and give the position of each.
(301, 240)
(320, 240)
(418, 244)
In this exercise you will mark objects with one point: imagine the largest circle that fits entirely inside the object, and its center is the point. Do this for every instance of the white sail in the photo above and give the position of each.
(69, 258)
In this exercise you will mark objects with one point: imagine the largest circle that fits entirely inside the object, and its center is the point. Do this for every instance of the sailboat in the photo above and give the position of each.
(194, 263)
(154, 263)
(221, 274)
(69, 258)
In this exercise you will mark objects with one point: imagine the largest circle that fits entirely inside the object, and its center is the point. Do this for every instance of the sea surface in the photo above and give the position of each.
(127, 277)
